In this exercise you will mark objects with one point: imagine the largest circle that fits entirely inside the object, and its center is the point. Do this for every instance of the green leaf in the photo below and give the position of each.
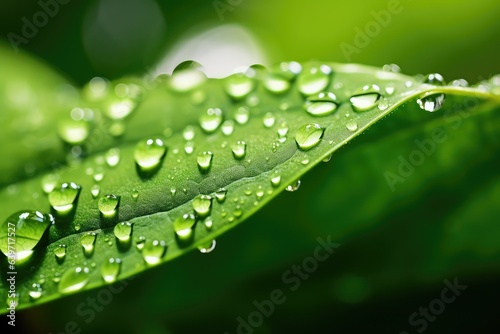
(211, 152)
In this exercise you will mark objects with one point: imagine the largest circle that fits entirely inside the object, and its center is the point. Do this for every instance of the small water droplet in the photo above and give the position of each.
(211, 119)
(208, 247)
(238, 85)
(135, 194)
(321, 104)
(432, 102)
(153, 251)
(239, 149)
(241, 115)
(73, 279)
(149, 153)
(275, 179)
(110, 269)
(189, 147)
(460, 83)
(29, 228)
(389, 90)
(60, 252)
(208, 223)
(293, 187)
(77, 227)
(140, 243)
(98, 174)
(36, 291)
(220, 195)
(204, 160)
(227, 127)
(351, 125)
(315, 81)
(305, 161)
(391, 68)
(95, 190)
(276, 83)
(188, 133)
(49, 182)
(268, 120)
(87, 241)
(202, 204)
(62, 198)
(183, 226)
(112, 157)
(122, 231)
(309, 135)
(107, 204)
(327, 159)
(383, 104)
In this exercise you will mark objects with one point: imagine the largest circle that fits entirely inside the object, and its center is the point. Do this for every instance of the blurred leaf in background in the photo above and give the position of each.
(399, 249)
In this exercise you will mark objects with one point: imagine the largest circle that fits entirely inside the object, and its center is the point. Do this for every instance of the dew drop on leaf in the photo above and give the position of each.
(220, 195)
(239, 149)
(321, 104)
(188, 133)
(87, 241)
(227, 127)
(276, 83)
(241, 115)
(268, 120)
(95, 190)
(238, 85)
(211, 119)
(60, 252)
(62, 198)
(110, 269)
(107, 204)
(49, 182)
(293, 187)
(153, 251)
(202, 205)
(351, 125)
(112, 157)
(183, 226)
(308, 136)
(35, 291)
(122, 231)
(208, 247)
(314, 81)
(366, 99)
(149, 153)
(204, 160)
(432, 102)
(74, 279)
(189, 147)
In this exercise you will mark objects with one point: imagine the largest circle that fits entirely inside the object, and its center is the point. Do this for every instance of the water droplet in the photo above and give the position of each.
(239, 149)
(238, 85)
(87, 241)
(107, 204)
(211, 119)
(29, 227)
(432, 102)
(389, 90)
(322, 104)
(112, 157)
(73, 132)
(383, 104)
(460, 83)
(183, 226)
(140, 243)
(327, 159)
(293, 187)
(309, 135)
(135, 194)
(187, 76)
(153, 251)
(227, 127)
(289, 70)
(204, 160)
(315, 81)
(305, 161)
(49, 182)
(208, 223)
(241, 115)
(220, 195)
(110, 269)
(77, 227)
(208, 247)
(282, 132)
(202, 205)
(60, 252)
(276, 83)
(74, 279)
(189, 147)
(367, 99)
(351, 125)
(95, 190)
(98, 174)
(149, 153)
(36, 291)
(117, 128)
(391, 68)
(275, 179)
(62, 198)
(268, 120)
(122, 231)
(188, 133)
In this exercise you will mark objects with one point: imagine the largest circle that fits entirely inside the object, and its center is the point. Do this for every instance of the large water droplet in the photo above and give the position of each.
(204, 160)
(149, 153)
(293, 187)
(366, 99)
(208, 247)
(239, 149)
(238, 85)
(241, 115)
(308, 136)
(153, 251)
(74, 279)
(28, 228)
(183, 226)
(107, 204)
(432, 102)
(202, 205)
(36, 291)
(87, 241)
(322, 104)
(110, 269)
(62, 198)
(112, 157)
(187, 76)
(211, 119)
(122, 231)
(315, 81)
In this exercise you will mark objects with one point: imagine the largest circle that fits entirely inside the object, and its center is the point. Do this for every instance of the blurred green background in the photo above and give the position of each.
(397, 247)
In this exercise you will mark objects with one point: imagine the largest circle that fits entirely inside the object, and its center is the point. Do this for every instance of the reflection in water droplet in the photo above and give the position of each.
(62, 198)
(327, 159)
(208, 223)
(367, 99)
(153, 251)
(149, 153)
(202, 205)
(73, 279)
(309, 135)
(207, 248)
(110, 269)
(135, 193)
(321, 104)
(432, 102)
(383, 104)
(140, 243)
(293, 187)
(204, 160)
